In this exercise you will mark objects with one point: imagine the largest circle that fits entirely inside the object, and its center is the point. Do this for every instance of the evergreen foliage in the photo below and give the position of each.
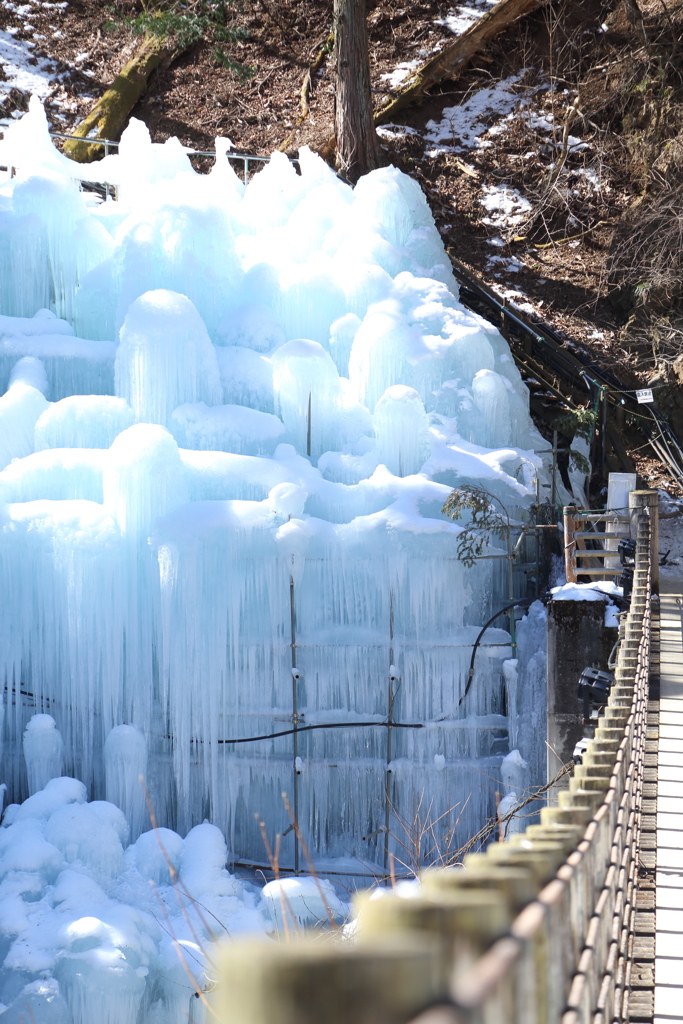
(210, 21)
(485, 520)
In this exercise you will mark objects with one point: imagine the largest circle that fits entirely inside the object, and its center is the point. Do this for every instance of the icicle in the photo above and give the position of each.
(20, 407)
(165, 357)
(125, 768)
(43, 752)
(402, 430)
(143, 478)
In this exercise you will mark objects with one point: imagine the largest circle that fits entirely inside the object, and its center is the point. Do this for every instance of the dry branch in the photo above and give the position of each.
(555, 171)
(450, 62)
(305, 93)
(108, 117)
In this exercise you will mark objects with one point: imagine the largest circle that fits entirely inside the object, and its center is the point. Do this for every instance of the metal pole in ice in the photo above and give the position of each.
(393, 678)
(308, 430)
(296, 675)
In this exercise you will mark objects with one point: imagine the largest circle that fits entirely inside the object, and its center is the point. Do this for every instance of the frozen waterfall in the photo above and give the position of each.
(230, 419)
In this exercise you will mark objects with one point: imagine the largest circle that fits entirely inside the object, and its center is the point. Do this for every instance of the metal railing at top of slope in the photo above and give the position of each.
(573, 366)
(246, 158)
(107, 144)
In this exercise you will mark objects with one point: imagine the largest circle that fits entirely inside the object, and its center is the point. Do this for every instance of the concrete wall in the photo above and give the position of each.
(577, 639)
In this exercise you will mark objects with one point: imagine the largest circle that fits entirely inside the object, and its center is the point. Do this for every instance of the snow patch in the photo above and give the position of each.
(505, 206)
(598, 590)
(465, 126)
(463, 16)
(400, 73)
(24, 70)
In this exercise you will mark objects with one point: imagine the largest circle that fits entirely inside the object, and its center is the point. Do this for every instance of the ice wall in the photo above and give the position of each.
(233, 431)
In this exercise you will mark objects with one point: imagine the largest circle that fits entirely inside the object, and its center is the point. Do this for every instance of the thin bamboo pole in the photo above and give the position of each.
(569, 544)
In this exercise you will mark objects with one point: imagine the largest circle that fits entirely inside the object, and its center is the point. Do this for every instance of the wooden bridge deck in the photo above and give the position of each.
(668, 1002)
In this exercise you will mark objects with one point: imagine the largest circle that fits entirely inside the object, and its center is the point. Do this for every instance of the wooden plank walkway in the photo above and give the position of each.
(640, 968)
(668, 1003)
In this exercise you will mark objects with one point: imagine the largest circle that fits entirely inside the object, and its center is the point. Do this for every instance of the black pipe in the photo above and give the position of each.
(326, 725)
(575, 365)
(506, 608)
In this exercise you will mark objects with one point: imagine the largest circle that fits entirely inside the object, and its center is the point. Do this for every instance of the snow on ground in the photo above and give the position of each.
(464, 126)
(23, 67)
(518, 299)
(589, 178)
(485, 118)
(463, 16)
(504, 205)
(400, 73)
(396, 131)
(508, 263)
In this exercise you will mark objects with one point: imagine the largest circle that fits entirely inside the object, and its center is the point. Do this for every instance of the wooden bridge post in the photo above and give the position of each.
(569, 543)
(386, 981)
(650, 500)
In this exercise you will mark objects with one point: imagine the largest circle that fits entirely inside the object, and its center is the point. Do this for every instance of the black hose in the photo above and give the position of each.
(522, 602)
(326, 725)
(506, 608)
(574, 366)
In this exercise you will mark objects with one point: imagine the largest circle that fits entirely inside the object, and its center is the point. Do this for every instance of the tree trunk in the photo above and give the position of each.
(448, 63)
(357, 144)
(108, 117)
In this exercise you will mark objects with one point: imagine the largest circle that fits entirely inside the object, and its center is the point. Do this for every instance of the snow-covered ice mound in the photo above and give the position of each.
(229, 414)
(92, 927)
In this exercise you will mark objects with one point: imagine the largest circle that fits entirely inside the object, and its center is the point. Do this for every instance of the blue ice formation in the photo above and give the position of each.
(230, 419)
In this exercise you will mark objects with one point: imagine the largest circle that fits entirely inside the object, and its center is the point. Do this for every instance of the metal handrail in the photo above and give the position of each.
(190, 152)
(246, 158)
(80, 138)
